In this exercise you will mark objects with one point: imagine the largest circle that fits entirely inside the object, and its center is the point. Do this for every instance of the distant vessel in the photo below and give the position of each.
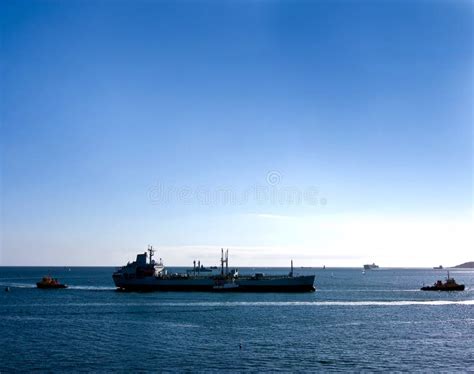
(201, 269)
(449, 285)
(440, 267)
(49, 282)
(371, 266)
(145, 274)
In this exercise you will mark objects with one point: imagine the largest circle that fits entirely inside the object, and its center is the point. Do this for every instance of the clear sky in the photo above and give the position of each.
(330, 132)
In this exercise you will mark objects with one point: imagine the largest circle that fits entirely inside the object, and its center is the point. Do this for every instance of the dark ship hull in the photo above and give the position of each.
(50, 286)
(209, 284)
(459, 287)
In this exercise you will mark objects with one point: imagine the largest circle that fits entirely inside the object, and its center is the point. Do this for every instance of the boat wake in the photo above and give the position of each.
(71, 287)
(18, 285)
(234, 304)
(93, 288)
(324, 303)
(347, 290)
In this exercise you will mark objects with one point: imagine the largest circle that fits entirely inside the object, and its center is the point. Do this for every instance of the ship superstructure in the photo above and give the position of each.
(141, 268)
(145, 274)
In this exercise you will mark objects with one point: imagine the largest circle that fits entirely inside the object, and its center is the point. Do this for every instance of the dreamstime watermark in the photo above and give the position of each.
(272, 192)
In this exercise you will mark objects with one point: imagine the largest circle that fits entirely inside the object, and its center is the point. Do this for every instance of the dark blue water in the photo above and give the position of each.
(355, 322)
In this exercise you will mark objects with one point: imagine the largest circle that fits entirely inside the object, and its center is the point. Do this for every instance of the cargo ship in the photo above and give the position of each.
(146, 274)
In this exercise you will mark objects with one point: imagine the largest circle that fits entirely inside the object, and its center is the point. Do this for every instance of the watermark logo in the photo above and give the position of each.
(273, 177)
(272, 192)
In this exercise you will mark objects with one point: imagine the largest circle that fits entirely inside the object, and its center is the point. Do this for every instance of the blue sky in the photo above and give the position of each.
(367, 105)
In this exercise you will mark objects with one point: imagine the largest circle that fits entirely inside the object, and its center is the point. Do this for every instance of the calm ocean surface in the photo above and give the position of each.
(354, 322)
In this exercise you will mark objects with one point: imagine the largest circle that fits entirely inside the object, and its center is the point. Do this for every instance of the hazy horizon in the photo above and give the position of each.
(330, 133)
(247, 267)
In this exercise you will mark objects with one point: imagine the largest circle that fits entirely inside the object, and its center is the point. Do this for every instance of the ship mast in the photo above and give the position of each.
(152, 252)
(222, 261)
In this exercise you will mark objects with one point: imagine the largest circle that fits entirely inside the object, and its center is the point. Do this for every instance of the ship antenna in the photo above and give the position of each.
(227, 261)
(222, 261)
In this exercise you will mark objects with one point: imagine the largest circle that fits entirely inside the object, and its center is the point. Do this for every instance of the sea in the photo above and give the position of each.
(377, 321)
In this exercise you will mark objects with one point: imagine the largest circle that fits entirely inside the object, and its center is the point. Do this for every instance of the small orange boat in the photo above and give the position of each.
(49, 282)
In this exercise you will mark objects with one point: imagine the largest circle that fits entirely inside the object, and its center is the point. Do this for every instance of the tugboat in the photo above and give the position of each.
(449, 285)
(49, 282)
